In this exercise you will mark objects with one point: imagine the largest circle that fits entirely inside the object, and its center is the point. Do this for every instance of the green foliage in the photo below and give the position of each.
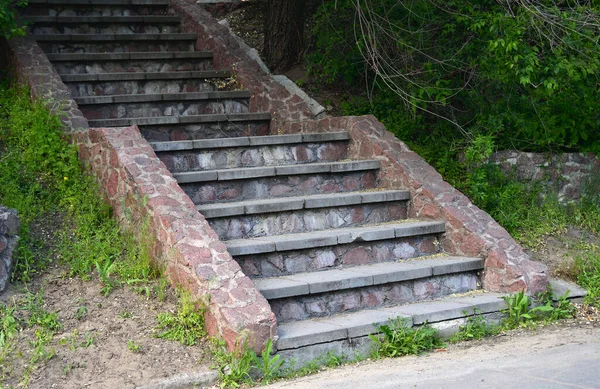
(521, 314)
(269, 366)
(234, 367)
(588, 275)
(186, 325)
(399, 338)
(9, 325)
(335, 55)
(133, 347)
(40, 174)
(525, 76)
(9, 27)
(38, 316)
(475, 328)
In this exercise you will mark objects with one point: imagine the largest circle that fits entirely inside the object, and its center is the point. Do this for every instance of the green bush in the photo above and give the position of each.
(485, 69)
(9, 27)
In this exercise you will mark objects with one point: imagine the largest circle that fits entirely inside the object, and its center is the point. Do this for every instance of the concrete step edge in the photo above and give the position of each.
(148, 76)
(246, 141)
(128, 56)
(298, 334)
(164, 19)
(174, 120)
(161, 3)
(312, 283)
(332, 237)
(296, 203)
(245, 173)
(145, 98)
(113, 37)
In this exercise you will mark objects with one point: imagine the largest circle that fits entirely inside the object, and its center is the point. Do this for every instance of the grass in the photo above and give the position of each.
(587, 268)
(42, 178)
(400, 338)
(186, 325)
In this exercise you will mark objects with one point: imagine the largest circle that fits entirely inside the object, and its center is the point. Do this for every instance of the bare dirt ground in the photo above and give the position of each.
(92, 348)
(559, 252)
(104, 341)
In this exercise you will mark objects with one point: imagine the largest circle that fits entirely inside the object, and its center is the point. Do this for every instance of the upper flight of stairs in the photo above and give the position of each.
(331, 251)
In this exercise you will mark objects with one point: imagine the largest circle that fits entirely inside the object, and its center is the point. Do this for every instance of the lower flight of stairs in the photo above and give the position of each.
(332, 252)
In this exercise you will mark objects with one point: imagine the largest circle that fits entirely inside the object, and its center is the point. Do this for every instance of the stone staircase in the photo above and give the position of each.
(331, 252)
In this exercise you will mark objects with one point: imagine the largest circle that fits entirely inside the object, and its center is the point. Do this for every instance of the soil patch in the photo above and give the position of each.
(92, 348)
(104, 341)
(559, 252)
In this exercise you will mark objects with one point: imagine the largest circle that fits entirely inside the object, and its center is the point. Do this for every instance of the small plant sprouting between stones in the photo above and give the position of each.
(475, 328)
(234, 367)
(399, 338)
(268, 365)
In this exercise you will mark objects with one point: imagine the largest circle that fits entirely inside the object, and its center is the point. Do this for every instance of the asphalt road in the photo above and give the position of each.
(548, 358)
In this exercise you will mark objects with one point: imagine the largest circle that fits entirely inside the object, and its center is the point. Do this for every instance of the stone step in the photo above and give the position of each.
(96, 7)
(276, 186)
(324, 293)
(168, 104)
(154, 98)
(174, 120)
(272, 140)
(69, 10)
(149, 19)
(297, 203)
(253, 219)
(227, 153)
(130, 76)
(255, 126)
(271, 171)
(332, 237)
(64, 38)
(451, 311)
(101, 2)
(106, 25)
(134, 83)
(142, 56)
(109, 43)
(314, 283)
(150, 62)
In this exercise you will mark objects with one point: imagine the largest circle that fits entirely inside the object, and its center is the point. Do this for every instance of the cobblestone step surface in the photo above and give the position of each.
(115, 43)
(367, 275)
(297, 203)
(174, 120)
(151, 62)
(297, 334)
(243, 151)
(332, 237)
(124, 83)
(145, 105)
(324, 293)
(96, 8)
(273, 171)
(108, 25)
(252, 125)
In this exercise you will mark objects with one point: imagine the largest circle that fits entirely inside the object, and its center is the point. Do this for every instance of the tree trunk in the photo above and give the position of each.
(284, 33)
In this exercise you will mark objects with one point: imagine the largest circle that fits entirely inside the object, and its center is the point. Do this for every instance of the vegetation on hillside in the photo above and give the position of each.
(9, 26)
